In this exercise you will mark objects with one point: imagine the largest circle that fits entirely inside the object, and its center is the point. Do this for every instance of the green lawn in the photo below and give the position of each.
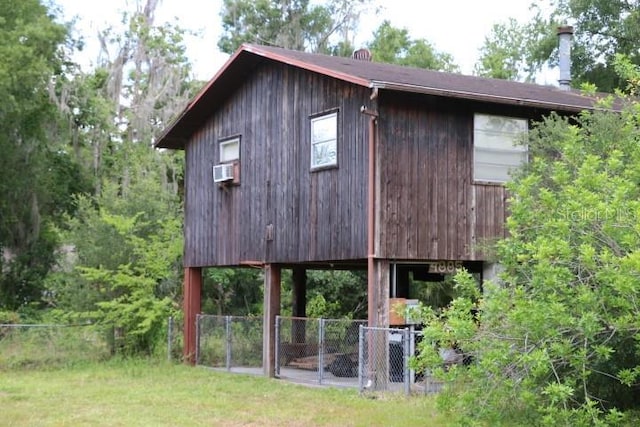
(144, 393)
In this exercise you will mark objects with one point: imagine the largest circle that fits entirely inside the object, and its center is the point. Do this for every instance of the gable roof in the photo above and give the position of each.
(368, 74)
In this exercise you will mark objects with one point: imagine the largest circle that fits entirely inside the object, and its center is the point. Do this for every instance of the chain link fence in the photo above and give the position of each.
(233, 343)
(383, 359)
(337, 352)
(383, 362)
(38, 345)
(175, 339)
(322, 351)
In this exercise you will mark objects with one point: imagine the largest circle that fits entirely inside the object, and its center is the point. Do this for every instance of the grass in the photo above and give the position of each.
(51, 346)
(152, 393)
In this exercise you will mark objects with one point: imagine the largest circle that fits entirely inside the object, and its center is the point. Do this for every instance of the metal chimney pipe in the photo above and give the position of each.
(565, 33)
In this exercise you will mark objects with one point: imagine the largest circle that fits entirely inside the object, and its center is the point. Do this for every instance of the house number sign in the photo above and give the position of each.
(444, 267)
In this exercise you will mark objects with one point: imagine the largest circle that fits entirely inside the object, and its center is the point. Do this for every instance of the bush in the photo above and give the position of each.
(556, 342)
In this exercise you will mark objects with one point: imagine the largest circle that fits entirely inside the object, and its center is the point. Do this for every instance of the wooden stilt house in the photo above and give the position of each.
(302, 161)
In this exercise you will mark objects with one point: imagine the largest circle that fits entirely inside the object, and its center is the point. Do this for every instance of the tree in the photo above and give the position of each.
(141, 291)
(602, 30)
(143, 78)
(331, 294)
(232, 291)
(516, 51)
(556, 341)
(126, 236)
(127, 268)
(37, 173)
(394, 46)
(292, 24)
(502, 55)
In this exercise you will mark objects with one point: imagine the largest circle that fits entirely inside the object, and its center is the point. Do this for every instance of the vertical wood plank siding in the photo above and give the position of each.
(316, 216)
(430, 208)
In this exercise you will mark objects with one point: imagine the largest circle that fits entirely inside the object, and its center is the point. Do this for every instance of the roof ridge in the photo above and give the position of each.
(374, 75)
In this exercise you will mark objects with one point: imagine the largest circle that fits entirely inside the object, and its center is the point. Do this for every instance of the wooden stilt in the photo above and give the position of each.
(299, 308)
(272, 275)
(192, 292)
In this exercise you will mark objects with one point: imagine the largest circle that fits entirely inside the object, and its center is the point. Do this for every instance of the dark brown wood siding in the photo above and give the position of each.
(315, 216)
(430, 209)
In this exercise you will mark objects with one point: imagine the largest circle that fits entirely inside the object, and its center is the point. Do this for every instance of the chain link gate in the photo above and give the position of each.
(383, 355)
(322, 351)
(233, 343)
(383, 361)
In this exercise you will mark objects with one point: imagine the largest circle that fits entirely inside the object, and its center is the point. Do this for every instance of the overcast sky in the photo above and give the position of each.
(457, 27)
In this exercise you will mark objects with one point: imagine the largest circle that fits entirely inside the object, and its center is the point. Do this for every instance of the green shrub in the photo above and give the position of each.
(556, 341)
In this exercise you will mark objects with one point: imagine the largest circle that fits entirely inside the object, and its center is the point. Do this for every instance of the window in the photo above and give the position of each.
(230, 150)
(497, 148)
(324, 141)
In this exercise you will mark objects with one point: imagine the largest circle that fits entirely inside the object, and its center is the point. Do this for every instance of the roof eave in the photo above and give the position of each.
(526, 102)
(167, 139)
(172, 138)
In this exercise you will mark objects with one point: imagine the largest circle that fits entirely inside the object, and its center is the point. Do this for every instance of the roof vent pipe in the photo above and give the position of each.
(565, 33)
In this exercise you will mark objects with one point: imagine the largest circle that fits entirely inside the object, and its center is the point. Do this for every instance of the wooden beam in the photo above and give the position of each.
(272, 276)
(191, 306)
(378, 316)
(299, 303)
(299, 279)
(402, 282)
(378, 298)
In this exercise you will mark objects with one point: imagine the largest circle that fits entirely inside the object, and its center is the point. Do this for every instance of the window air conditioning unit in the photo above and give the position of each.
(222, 173)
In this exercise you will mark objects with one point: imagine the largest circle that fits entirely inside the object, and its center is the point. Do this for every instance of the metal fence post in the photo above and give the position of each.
(169, 337)
(320, 350)
(227, 332)
(197, 339)
(277, 349)
(361, 358)
(412, 352)
(405, 362)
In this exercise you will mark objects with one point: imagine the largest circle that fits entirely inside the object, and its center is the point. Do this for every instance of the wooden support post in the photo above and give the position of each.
(378, 293)
(378, 316)
(402, 282)
(383, 282)
(191, 305)
(299, 306)
(271, 310)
